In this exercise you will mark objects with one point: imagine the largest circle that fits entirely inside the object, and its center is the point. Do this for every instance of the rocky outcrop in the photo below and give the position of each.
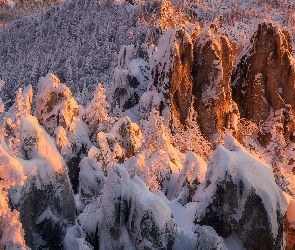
(211, 73)
(235, 199)
(91, 179)
(55, 104)
(131, 76)
(58, 113)
(128, 135)
(263, 79)
(128, 214)
(170, 85)
(46, 201)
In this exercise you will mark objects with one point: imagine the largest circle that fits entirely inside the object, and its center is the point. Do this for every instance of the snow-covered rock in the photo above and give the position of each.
(190, 176)
(170, 85)
(46, 201)
(60, 116)
(131, 76)
(129, 136)
(239, 195)
(11, 233)
(55, 104)
(91, 180)
(128, 216)
(290, 223)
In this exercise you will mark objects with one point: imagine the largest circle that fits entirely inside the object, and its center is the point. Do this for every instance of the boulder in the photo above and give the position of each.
(239, 195)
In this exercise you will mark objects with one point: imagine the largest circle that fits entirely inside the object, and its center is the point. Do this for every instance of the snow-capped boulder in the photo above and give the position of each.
(128, 216)
(55, 104)
(191, 175)
(131, 76)
(211, 73)
(239, 195)
(170, 85)
(46, 201)
(91, 179)
(128, 134)
(263, 79)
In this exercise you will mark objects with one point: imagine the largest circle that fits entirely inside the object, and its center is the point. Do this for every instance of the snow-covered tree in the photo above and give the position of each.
(11, 173)
(96, 114)
(155, 133)
(190, 137)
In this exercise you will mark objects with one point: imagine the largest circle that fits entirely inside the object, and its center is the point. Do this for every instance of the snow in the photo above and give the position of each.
(184, 216)
(47, 214)
(39, 144)
(233, 243)
(194, 170)
(11, 173)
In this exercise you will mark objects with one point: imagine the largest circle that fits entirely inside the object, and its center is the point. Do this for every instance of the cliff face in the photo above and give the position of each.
(263, 79)
(211, 73)
(170, 79)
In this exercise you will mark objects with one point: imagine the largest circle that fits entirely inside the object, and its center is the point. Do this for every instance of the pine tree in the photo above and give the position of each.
(190, 137)
(155, 133)
(96, 114)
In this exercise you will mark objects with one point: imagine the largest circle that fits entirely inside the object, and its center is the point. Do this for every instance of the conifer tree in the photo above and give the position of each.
(190, 137)
(96, 114)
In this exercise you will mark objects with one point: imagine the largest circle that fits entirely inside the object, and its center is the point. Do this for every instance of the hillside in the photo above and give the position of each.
(148, 125)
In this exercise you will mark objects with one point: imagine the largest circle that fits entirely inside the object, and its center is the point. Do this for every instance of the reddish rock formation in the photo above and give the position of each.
(211, 77)
(171, 66)
(263, 79)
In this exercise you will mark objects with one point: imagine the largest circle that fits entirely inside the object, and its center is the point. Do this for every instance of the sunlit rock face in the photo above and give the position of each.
(211, 73)
(263, 79)
(240, 201)
(170, 78)
(55, 104)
